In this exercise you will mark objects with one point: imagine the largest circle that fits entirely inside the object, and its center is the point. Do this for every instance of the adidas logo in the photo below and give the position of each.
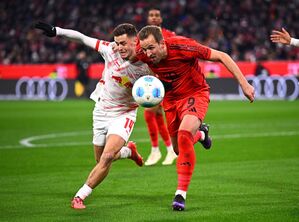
(192, 110)
(185, 164)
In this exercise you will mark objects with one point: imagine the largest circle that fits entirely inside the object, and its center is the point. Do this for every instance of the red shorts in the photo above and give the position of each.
(195, 104)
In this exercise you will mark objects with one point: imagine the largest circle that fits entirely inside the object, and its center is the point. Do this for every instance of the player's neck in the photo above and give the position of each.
(133, 59)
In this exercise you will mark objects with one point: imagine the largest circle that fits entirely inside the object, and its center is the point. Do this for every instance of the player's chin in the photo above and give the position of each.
(155, 60)
(123, 55)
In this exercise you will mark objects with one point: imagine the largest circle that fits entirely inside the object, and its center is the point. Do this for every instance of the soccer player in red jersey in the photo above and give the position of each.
(154, 116)
(175, 61)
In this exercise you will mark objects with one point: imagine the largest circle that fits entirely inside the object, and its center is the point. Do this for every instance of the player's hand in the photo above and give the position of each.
(281, 37)
(48, 30)
(248, 91)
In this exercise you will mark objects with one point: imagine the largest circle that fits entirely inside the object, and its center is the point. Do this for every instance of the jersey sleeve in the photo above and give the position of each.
(294, 42)
(190, 48)
(99, 45)
(198, 50)
(76, 36)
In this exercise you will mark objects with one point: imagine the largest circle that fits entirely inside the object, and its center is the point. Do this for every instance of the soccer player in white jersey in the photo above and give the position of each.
(114, 114)
(283, 37)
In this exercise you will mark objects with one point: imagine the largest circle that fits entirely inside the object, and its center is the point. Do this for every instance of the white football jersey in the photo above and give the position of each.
(115, 88)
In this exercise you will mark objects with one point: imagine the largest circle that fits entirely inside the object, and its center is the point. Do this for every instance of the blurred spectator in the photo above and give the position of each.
(261, 70)
(240, 28)
(82, 82)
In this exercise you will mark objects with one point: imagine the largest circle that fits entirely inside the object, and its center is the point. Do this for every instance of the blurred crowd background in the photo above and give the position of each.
(240, 28)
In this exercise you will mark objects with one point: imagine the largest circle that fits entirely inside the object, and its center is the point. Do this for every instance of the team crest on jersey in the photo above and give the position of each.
(123, 81)
(105, 43)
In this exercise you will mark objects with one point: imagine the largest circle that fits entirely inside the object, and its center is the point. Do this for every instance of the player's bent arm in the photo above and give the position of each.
(76, 36)
(227, 61)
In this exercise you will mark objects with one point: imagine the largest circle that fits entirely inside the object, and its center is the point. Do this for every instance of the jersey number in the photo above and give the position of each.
(191, 102)
(129, 124)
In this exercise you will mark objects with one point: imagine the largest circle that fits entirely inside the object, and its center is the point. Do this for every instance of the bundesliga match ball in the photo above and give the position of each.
(148, 91)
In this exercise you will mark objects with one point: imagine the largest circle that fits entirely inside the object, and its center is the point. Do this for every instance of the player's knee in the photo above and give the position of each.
(107, 158)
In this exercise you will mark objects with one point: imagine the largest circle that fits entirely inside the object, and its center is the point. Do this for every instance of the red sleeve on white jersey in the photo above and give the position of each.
(97, 45)
(101, 43)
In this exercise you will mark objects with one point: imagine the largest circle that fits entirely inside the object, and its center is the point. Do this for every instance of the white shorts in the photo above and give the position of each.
(105, 123)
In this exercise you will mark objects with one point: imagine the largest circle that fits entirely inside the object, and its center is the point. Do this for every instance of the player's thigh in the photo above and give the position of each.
(190, 123)
(114, 143)
(173, 121)
(98, 150)
(193, 109)
(100, 127)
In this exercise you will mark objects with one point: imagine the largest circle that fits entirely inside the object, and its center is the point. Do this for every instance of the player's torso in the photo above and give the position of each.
(119, 77)
(179, 74)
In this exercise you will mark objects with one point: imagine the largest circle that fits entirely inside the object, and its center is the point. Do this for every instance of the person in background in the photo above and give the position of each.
(154, 116)
(82, 81)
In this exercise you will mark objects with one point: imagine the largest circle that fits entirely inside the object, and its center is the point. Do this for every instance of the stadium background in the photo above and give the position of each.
(252, 172)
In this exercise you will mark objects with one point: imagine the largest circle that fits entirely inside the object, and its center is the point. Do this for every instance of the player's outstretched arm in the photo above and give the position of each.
(52, 31)
(283, 37)
(227, 61)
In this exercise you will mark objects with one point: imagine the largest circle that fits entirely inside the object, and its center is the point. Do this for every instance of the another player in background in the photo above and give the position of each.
(175, 61)
(154, 116)
(114, 114)
(283, 37)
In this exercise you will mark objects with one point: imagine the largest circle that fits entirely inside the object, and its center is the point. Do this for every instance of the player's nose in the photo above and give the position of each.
(148, 53)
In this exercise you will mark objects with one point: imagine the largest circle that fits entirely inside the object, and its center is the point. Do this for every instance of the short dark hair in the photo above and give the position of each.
(148, 30)
(125, 28)
(154, 8)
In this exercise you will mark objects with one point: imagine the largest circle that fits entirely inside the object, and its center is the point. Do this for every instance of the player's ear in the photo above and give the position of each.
(135, 40)
(162, 42)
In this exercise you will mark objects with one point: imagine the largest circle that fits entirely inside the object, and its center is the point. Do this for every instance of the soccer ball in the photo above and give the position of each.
(148, 91)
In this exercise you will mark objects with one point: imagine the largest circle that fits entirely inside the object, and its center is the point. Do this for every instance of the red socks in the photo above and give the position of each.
(186, 159)
(150, 118)
(155, 124)
(163, 129)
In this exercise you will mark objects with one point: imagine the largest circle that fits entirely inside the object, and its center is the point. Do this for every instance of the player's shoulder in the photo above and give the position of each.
(105, 46)
(179, 39)
(167, 33)
(180, 42)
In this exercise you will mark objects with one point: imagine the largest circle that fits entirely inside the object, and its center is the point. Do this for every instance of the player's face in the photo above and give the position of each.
(154, 17)
(125, 46)
(156, 51)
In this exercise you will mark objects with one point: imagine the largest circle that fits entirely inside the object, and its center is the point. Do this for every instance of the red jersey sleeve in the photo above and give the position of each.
(189, 48)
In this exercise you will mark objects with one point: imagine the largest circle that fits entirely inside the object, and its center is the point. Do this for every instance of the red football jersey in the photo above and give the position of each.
(180, 71)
